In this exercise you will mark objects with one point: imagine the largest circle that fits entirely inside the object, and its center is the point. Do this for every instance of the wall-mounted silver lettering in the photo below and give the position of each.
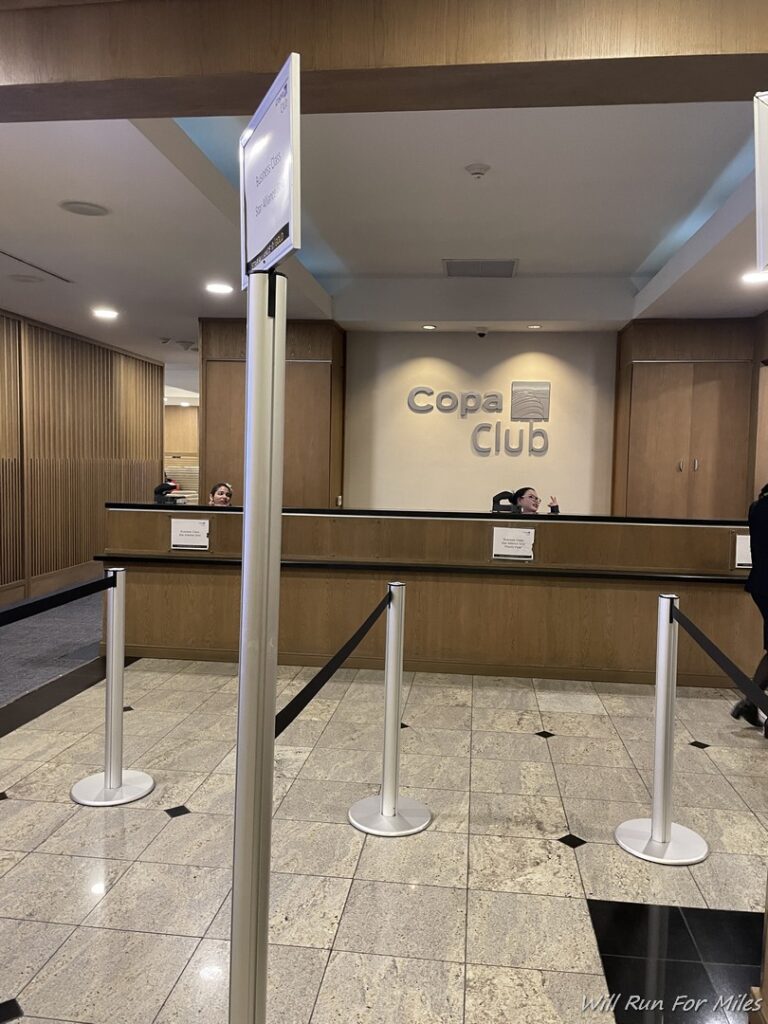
(413, 395)
(493, 402)
(478, 448)
(511, 449)
(446, 401)
(537, 434)
(470, 402)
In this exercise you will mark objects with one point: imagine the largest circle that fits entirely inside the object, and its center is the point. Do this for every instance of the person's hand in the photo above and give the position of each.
(552, 501)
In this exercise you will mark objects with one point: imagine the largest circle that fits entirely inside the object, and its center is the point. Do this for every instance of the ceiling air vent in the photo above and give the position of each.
(480, 268)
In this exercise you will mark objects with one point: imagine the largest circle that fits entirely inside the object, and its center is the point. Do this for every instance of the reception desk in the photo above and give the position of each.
(584, 608)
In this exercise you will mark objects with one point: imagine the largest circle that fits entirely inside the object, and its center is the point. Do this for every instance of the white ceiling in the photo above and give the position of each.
(598, 204)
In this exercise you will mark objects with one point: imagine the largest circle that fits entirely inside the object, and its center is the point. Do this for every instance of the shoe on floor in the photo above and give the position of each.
(748, 711)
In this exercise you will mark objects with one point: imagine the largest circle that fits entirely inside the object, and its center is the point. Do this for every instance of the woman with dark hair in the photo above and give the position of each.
(528, 501)
(221, 495)
(757, 586)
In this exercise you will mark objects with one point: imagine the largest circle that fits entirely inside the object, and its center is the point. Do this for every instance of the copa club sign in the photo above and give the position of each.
(528, 404)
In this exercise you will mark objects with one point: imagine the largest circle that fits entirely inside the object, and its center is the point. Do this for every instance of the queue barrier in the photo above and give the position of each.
(658, 839)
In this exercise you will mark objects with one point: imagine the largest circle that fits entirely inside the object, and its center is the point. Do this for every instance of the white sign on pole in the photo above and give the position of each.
(761, 178)
(189, 533)
(512, 542)
(743, 559)
(270, 197)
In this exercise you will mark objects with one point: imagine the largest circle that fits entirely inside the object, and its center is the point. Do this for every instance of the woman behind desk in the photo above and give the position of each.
(221, 495)
(528, 501)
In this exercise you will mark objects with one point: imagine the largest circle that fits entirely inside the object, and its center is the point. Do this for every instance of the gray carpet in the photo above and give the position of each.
(39, 649)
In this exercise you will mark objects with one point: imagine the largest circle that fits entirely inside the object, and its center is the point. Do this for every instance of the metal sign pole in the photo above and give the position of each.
(260, 597)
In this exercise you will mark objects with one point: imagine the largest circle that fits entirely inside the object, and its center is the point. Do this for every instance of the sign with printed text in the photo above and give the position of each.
(270, 199)
(513, 542)
(189, 534)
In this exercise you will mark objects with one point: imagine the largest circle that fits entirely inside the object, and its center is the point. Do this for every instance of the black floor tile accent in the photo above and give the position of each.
(10, 1010)
(544, 734)
(678, 956)
(699, 744)
(127, 707)
(571, 840)
(3, 795)
(175, 812)
(25, 709)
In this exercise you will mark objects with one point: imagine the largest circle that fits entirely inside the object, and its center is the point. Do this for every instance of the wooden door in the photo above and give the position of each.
(719, 449)
(307, 460)
(659, 436)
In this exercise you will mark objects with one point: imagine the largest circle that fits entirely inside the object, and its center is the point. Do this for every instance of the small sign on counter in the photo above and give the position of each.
(513, 542)
(189, 534)
(743, 559)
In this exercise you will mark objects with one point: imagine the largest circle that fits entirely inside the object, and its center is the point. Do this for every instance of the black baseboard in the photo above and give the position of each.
(31, 705)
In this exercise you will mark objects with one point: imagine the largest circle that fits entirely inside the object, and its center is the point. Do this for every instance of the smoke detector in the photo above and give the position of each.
(477, 171)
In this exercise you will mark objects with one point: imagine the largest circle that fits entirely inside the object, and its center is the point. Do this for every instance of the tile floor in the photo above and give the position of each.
(121, 915)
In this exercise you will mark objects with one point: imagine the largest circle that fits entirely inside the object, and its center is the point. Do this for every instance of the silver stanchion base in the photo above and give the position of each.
(91, 791)
(685, 846)
(412, 816)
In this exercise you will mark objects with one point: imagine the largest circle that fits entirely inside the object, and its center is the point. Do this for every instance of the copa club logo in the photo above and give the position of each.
(528, 403)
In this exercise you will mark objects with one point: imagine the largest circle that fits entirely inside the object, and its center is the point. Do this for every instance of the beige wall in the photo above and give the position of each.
(399, 459)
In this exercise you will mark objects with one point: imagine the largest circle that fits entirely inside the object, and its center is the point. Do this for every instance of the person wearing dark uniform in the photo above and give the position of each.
(528, 501)
(757, 586)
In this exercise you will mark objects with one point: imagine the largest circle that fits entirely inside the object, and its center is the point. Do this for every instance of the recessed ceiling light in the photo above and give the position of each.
(104, 313)
(84, 209)
(755, 277)
(184, 405)
(534, 327)
(428, 327)
(219, 288)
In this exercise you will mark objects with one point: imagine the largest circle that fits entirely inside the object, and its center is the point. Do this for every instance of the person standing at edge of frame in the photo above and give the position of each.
(757, 586)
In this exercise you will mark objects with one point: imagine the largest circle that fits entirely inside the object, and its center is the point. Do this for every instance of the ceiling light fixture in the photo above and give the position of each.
(104, 313)
(755, 277)
(84, 209)
(429, 327)
(534, 327)
(184, 405)
(219, 288)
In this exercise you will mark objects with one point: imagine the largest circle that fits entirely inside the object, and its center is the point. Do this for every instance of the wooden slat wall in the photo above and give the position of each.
(92, 432)
(11, 537)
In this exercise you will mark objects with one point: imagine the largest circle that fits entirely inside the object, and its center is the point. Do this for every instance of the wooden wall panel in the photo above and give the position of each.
(181, 436)
(11, 524)
(92, 432)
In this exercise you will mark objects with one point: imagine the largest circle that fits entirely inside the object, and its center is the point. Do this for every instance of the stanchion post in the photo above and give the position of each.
(113, 786)
(658, 839)
(389, 814)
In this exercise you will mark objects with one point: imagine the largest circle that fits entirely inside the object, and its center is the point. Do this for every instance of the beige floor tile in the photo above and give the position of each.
(425, 771)
(65, 719)
(200, 726)
(634, 707)
(183, 753)
(753, 790)
(589, 750)
(503, 995)
(422, 921)
(561, 723)
(216, 795)
(732, 881)
(440, 679)
(596, 820)
(579, 703)
(226, 669)
(35, 746)
(521, 930)
(170, 700)
(505, 720)
(193, 682)
(509, 746)
(726, 732)
(428, 858)
(585, 782)
(738, 761)
(162, 666)
(151, 721)
(563, 686)
(450, 808)
(506, 682)
(526, 778)
(434, 742)
(50, 782)
(289, 760)
(726, 831)
(315, 847)
(640, 728)
(506, 864)
(72, 986)
(204, 840)
(24, 824)
(609, 873)
(9, 859)
(319, 709)
(172, 788)
(120, 833)
(687, 758)
(504, 698)
(383, 989)
(301, 734)
(222, 923)
(60, 890)
(90, 750)
(308, 800)
(532, 817)
(219, 703)
(335, 765)
(26, 946)
(345, 735)
(304, 910)
(12, 772)
(173, 899)
(428, 716)
(358, 712)
(440, 696)
(689, 790)
(280, 787)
